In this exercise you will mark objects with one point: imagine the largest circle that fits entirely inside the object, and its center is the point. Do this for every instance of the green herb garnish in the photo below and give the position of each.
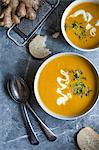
(77, 73)
(75, 25)
(78, 88)
(80, 31)
(78, 85)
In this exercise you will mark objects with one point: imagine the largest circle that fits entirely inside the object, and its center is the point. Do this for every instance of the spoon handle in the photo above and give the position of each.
(49, 134)
(30, 131)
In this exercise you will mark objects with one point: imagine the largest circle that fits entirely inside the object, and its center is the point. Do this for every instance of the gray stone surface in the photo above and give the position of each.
(16, 60)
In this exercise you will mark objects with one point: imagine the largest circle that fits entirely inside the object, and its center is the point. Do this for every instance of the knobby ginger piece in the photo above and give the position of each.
(8, 15)
(16, 9)
(37, 47)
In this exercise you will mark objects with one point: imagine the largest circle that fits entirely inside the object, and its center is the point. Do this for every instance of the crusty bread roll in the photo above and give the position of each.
(88, 139)
(37, 47)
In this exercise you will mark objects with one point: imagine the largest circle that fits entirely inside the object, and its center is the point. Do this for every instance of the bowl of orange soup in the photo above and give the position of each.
(66, 86)
(80, 25)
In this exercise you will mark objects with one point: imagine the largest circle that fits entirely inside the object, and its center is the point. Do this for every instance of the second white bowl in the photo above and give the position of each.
(65, 14)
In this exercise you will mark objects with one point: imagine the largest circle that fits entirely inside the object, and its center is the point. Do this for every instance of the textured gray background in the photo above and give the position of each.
(16, 60)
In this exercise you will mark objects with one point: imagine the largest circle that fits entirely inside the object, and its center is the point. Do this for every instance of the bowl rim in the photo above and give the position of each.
(66, 12)
(43, 106)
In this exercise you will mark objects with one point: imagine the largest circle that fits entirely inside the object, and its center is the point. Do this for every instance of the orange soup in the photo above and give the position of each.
(82, 25)
(67, 85)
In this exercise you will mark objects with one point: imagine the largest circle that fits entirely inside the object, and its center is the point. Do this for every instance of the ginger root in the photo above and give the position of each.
(16, 9)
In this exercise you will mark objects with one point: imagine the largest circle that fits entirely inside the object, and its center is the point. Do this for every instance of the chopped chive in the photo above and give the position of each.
(78, 86)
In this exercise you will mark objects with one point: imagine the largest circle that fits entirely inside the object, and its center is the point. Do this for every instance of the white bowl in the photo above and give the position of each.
(65, 14)
(38, 96)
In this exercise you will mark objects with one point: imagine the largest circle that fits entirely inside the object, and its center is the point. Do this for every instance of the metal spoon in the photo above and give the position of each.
(20, 93)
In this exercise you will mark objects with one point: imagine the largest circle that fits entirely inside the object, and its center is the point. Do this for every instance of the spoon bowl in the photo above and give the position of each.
(18, 89)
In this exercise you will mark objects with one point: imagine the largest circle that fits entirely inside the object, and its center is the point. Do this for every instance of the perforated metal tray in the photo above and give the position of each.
(22, 33)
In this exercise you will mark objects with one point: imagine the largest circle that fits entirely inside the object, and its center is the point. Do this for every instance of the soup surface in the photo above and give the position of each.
(67, 85)
(82, 25)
